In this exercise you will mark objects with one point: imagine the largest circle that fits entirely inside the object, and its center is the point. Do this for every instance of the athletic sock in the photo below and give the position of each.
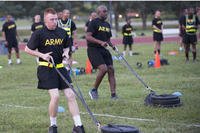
(9, 61)
(18, 60)
(53, 121)
(124, 53)
(77, 120)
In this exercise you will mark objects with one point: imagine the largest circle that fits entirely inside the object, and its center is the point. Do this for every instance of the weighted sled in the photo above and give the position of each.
(164, 100)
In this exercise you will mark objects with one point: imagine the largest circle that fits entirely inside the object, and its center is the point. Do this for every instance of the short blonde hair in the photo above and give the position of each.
(49, 11)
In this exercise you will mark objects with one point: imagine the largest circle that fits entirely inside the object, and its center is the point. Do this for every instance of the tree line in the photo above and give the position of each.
(27, 9)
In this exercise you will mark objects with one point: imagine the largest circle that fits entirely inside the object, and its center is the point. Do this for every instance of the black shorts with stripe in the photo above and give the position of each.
(48, 78)
(12, 43)
(157, 36)
(99, 56)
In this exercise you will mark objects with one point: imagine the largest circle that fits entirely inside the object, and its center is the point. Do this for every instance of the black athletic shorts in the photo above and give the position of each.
(127, 40)
(99, 56)
(157, 36)
(12, 44)
(48, 78)
(189, 39)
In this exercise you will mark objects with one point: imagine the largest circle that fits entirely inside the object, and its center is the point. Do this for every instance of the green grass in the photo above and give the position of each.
(23, 108)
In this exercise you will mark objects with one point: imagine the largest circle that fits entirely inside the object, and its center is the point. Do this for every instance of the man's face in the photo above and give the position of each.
(103, 13)
(93, 15)
(9, 18)
(51, 21)
(37, 18)
(65, 14)
(158, 14)
(190, 11)
(128, 21)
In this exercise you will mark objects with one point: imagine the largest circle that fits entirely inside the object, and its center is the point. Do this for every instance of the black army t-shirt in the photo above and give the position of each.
(157, 22)
(101, 30)
(37, 26)
(127, 28)
(10, 30)
(49, 41)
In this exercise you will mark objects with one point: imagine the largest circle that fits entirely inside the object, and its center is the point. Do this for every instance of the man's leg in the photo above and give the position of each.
(9, 55)
(74, 110)
(181, 44)
(187, 49)
(157, 47)
(101, 73)
(130, 49)
(194, 51)
(17, 55)
(112, 81)
(53, 105)
(124, 52)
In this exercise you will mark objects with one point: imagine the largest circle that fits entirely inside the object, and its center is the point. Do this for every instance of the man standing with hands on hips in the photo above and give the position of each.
(51, 42)
(98, 35)
(157, 25)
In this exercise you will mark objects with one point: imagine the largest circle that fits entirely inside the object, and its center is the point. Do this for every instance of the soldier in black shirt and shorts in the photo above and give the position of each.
(190, 24)
(36, 26)
(157, 31)
(70, 27)
(97, 36)
(127, 30)
(37, 23)
(92, 16)
(9, 33)
(52, 42)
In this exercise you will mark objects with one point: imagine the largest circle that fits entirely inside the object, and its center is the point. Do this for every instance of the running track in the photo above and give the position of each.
(118, 41)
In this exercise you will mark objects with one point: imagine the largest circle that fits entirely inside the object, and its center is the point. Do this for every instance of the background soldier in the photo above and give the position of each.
(98, 35)
(37, 24)
(157, 31)
(127, 30)
(181, 29)
(9, 33)
(190, 24)
(70, 27)
(92, 16)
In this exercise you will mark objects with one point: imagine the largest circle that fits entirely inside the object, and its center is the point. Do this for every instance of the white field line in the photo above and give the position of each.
(108, 115)
(121, 117)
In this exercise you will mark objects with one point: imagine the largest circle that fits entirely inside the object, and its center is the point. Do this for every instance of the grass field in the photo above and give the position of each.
(23, 108)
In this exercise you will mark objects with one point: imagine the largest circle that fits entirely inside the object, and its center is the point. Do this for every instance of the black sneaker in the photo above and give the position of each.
(53, 129)
(93, 94)
(78, 129)
(114, 97)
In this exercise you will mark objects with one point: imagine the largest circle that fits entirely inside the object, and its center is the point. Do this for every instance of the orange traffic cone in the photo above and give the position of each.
(88, 68)
(157, 60)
